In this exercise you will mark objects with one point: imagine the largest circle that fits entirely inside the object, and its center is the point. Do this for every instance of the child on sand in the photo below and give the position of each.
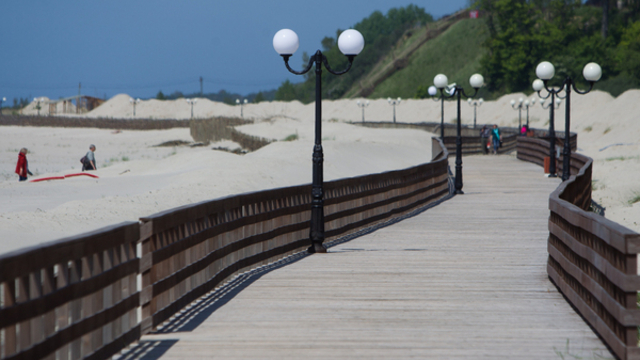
(22, 168)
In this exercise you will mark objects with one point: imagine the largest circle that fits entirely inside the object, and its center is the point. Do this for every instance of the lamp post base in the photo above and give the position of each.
(460, 192)
(317, 249)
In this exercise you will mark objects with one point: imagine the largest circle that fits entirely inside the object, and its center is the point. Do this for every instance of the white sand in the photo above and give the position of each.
(162, 178)
(154, 179)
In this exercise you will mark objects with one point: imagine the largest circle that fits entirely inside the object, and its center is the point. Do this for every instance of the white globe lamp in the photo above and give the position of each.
(538, 85)
(350, 42)
(592, 72)
(286, 42)
(476, 81)
(545, 70)
(440, 81)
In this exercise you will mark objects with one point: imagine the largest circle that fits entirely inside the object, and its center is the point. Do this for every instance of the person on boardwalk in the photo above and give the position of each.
(485, 134)
(89, 160)
(495, 135)
(22, 168)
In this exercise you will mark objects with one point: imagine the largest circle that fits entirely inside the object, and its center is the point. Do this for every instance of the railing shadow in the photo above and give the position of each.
(195, 314)
(148, 350)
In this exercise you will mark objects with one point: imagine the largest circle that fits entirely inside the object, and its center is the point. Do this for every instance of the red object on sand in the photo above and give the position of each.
(80, 174)
(48, 178)
(63, 177)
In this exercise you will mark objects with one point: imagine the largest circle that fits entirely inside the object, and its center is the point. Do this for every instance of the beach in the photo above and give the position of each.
(138, 178)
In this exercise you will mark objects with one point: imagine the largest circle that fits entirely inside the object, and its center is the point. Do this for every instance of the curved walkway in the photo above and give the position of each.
(464, 280)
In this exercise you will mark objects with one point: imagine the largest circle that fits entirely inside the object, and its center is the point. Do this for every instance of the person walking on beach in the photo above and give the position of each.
(22, 168)
(485, 134)
(89, 162)
(495, 134)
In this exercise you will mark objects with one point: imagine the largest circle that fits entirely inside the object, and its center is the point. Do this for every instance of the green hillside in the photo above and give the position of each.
(455, 53)
(406, 49)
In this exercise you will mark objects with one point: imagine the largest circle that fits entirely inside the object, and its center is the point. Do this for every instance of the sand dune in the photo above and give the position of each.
(137, 179)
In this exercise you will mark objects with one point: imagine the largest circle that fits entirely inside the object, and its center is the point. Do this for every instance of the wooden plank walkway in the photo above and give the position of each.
(463, 280)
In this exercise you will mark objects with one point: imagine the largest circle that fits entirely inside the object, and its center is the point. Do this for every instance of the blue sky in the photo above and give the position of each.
(140, 47)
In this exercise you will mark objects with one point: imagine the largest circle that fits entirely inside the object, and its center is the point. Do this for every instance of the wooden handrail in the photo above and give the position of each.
(592, 260)
(190, 250)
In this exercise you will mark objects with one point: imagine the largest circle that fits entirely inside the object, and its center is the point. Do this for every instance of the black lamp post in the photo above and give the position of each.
(134, 103)
(191, 102)
(545, 71)
(518, 106)
(351, 43)
(241, 103)
(528, 104)
(476, 81)
(38, 101)
(554, 104)
(475, 105)
(394, 103)
(363, 105)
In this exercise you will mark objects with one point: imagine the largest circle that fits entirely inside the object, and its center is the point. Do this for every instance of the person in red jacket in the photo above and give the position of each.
(22, 168)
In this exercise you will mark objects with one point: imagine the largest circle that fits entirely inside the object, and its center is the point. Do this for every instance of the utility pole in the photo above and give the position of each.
(200, 86)
(78, 100)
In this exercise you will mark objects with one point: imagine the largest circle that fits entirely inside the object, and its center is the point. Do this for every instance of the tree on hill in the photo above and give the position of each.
(564, 32)
(286, 92)
(381, 32)
(160, 96)
(259, 98)
(628, 51)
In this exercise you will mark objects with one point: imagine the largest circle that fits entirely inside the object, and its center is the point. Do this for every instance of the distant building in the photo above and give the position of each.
(77, 104)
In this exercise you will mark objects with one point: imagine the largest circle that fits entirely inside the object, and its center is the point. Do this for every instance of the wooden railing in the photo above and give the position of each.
(535, 149)
(592, 260)
(187, 252)
(475, 145)
(81, 298)
(472, 143)
(71, 299)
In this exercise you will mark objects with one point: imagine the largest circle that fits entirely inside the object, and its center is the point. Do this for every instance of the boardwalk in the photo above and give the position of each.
(464, 280)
